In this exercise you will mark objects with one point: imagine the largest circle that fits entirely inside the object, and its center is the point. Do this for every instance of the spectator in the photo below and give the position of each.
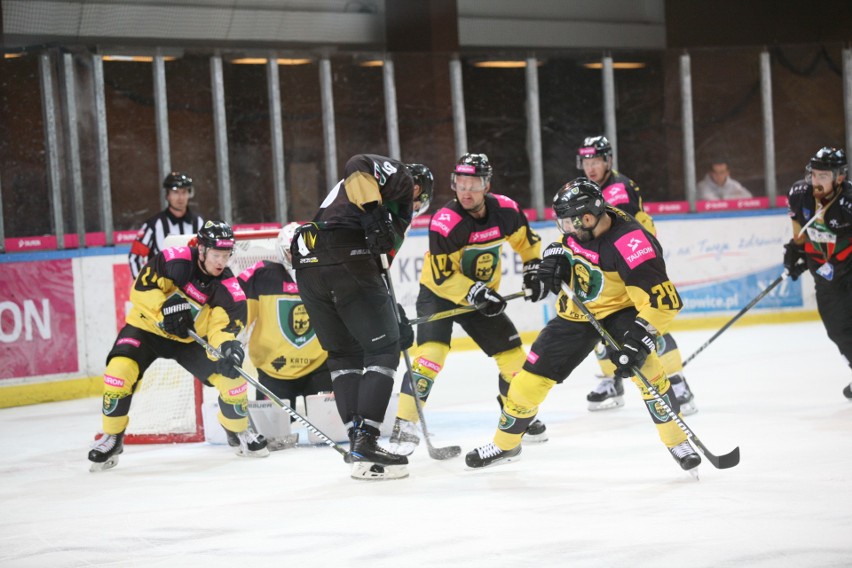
(718, 184)
(176, 218)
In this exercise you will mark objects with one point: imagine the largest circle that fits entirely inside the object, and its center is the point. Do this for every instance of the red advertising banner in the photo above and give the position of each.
(123, 281)
(38, 322)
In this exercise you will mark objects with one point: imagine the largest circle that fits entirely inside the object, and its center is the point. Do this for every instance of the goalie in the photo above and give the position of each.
(180, 289)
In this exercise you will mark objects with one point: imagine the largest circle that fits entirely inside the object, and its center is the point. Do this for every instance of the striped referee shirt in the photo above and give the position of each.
(151, 237)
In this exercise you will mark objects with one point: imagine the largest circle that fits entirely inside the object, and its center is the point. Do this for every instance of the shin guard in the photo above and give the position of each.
(427, 363)
(119, 383)
(526, 392)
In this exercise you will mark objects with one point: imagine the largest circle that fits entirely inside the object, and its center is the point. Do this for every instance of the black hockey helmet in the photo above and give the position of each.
(178, 180)
(593, 146)
(474, 165)
(216, 235)
(578, 197)
(829, 159)
(423, 177)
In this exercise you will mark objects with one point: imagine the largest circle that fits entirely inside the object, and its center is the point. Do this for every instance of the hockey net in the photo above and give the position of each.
(167, 405)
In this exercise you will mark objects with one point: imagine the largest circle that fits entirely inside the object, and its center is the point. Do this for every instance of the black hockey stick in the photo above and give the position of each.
(446, 452)
(464, 309)
(271, 395)
(750, 305)
(725, 461)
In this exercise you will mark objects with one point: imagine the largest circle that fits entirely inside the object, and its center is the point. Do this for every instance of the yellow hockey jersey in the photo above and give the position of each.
(283, 344)
(624, 267)
(464, 250)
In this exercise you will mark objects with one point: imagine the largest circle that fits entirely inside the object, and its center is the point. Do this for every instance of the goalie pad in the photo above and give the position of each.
(321, 411)
(273, 423)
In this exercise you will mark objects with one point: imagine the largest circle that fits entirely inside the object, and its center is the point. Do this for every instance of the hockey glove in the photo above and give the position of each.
(406, 332)
(232, 357)
(487, 301)
(554, 269)
(177, 316)
(532, 282)
(794, 259)
(378, 229)
(637, 344)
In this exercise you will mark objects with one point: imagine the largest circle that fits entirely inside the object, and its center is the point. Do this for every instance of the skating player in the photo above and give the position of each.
(594, 157)
(342, 284)
(180, 289)
(820, 207)
(463, 267)
(616, 269)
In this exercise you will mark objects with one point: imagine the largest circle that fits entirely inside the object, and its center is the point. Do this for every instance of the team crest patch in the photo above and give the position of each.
(424, 386)
(506, 421)
(658, 413)
(294, 322)
(481, 263)
(588, 281)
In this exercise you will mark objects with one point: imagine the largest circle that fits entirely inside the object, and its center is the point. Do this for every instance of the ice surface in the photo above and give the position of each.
(602, 492)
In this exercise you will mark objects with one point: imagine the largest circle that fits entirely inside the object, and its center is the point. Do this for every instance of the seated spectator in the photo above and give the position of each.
(718, 184)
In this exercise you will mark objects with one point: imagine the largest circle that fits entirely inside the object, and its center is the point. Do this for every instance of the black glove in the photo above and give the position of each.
(177, 316)
(554, 269)
(406, 332)
(794, 259)
(486, 300)
(532, 281)
(378, 228)
(232, 357)
(637, 344)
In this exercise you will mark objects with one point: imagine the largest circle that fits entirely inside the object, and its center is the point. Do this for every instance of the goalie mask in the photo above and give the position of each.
(285, 239)
(572, 202)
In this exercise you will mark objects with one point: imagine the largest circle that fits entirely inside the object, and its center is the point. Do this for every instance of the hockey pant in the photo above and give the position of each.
(133, 353)
(667, 351)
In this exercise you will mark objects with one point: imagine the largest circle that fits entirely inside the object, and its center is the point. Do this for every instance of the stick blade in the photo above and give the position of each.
(446, 453)
(726, 461)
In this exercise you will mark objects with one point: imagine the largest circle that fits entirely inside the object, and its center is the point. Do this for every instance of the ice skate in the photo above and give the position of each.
(105, 451)
(404, 438)
(489, 454)
(535, 433)
(249, 443)
(684, 396)
(847, 392)
(369, 460)
(608, 394)
(686, 457)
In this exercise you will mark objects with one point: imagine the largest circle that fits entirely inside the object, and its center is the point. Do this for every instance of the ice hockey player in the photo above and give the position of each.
(594, 158)
(342, 284)
(820, 207)
(283, 345)
(617, 270)
(463, 267)
(182, 288)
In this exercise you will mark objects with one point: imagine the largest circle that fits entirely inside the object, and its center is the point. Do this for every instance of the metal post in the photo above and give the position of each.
(51, 148)
(279, 184)
(534, 138)
(220, 128)
(2, 228)
(688, 132)
(768, 128)
(457, 93)
(391, 117)
(608, 78)
(102, 143)
(73, 146)
(161, 116)
(329, 137)
(847, 96)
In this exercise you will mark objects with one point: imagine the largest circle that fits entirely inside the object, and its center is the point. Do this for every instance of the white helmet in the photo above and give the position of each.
(285, 237)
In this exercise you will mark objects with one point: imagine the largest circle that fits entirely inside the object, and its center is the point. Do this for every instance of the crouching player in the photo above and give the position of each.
(616, 269)
(180, 289)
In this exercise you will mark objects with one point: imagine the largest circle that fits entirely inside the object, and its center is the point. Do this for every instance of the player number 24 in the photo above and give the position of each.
(667, 296)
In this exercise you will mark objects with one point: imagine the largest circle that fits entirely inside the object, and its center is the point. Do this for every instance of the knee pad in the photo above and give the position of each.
(428, 361)
(669, 354)
(526, 392)
(510, 364)
(120, 379)
(233, 402)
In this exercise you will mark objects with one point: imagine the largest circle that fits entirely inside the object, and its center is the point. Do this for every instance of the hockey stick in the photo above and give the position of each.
(750, 305)
(725, 461)
(463, 309)
(446, 452)
(271, 395)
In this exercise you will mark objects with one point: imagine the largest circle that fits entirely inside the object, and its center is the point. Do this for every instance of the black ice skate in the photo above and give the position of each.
(105, 451)
(686, 457)
(489, 454)
(369, 460)
(250, 444)
(404, 438)
(535, 433)
(608, 394)
(847, 392)
(683, 394)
